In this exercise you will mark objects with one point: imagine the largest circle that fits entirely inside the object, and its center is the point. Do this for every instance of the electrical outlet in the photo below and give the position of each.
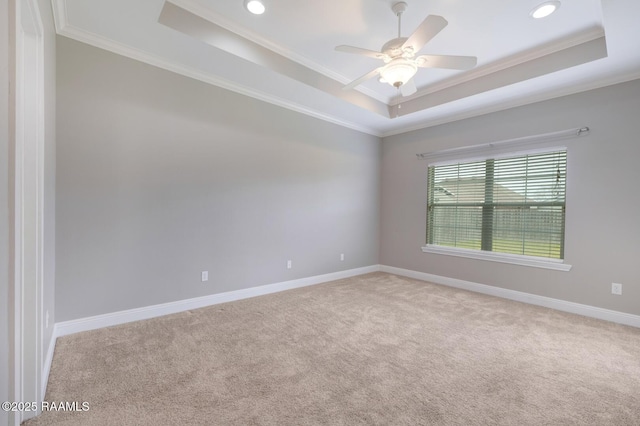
(341, 256)
(616, 288)
(288, 264)
(205, 276)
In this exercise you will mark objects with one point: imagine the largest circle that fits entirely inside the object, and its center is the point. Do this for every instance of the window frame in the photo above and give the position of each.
(516, 259)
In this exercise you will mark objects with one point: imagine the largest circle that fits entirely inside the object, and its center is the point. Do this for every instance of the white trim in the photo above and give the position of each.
(512, 103)
(205, 12)
(590, 35)
(157, 61)
(46, 368)
(60, 17)
(532, 299)
(28, 205)
(514, 259)
(389, 129)
(151, 59)
(14, 301)
(106, 320)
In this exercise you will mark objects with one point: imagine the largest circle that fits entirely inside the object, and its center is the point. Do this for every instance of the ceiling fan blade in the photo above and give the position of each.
(447, 61)
(409, 88)
(427, 30)
(362, 79)
(360, 51)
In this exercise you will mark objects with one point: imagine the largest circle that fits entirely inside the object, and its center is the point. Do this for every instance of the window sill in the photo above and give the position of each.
(514, 259)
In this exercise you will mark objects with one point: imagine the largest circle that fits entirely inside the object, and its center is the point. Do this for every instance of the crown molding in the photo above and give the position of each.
(60, 19)
(508, 62)
(203, 30)
(63, 28)
(528, 100)
(197, 8)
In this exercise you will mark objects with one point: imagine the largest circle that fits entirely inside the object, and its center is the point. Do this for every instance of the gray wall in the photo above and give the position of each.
(161, 177)
(5, 320)
(603, 201)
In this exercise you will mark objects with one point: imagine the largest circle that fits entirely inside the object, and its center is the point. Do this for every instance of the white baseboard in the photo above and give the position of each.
(122, 317)
(106, 320)
(548, 302)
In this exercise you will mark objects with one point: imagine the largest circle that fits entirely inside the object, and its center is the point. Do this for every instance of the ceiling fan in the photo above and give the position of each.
(399, 55)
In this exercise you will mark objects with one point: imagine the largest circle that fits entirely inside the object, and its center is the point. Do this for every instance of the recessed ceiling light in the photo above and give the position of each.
(254, 6)
(545, 9)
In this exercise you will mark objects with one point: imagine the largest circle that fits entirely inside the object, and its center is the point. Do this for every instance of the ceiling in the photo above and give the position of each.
(287, 57)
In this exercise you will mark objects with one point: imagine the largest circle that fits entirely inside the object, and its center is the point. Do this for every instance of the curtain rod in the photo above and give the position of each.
(563, 134)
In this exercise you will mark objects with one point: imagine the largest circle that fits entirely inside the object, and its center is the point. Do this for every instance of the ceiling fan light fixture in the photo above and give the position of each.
(254, 6)
(544, 9)
(398, 72)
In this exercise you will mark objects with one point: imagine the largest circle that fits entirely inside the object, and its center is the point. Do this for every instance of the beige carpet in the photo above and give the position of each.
(371, 350)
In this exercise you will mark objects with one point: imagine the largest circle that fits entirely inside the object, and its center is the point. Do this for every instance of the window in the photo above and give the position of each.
(513, 205)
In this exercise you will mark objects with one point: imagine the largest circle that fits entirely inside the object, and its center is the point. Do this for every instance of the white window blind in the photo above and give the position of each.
(513, 205)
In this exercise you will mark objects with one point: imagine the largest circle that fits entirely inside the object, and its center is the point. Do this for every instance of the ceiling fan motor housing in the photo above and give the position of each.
(393, 48)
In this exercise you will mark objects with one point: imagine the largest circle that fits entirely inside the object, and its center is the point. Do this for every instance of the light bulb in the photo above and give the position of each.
(254, 6)
(545, 9)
